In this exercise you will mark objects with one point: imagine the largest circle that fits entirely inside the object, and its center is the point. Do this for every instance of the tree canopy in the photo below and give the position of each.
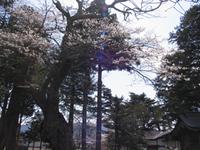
(34, 68)
(178, 81)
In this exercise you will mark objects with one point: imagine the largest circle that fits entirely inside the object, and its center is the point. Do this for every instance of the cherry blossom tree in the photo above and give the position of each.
(29, 41)
(22, 49)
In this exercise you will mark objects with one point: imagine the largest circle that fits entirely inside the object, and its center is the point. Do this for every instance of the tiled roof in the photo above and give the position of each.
(191, 120)
(154, 134)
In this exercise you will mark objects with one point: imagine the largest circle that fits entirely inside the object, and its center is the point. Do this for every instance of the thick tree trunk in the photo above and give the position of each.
(9, 122)
(71, 119)
(55, 127)
(33, 147)
(11, 134)
(40, 144)
(117, 125)
(19, 127)
(117, 145)
(2, 133)
(99, 110)
(5, 100)
(5, 103)
(57, 131)
(3, 117)
(84, 119)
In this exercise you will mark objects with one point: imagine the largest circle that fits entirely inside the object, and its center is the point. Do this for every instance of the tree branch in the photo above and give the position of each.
(80, 6)
(135, 8)
(86, 16)
(144, 77)
(60, 8)
(116, 2)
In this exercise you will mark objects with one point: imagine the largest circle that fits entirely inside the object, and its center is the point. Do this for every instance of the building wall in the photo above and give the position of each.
(190, 141)
(24, 145)
(163, 144)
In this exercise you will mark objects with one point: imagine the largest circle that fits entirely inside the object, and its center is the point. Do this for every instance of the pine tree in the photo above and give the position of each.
(178, 81)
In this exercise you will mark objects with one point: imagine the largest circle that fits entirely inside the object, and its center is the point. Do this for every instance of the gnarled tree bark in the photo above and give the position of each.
(55, 127)
(9, 122)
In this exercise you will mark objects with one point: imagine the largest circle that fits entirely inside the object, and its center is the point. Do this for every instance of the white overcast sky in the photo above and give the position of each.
(122, 83)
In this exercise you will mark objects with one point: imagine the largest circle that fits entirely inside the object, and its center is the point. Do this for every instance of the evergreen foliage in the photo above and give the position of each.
(129, 121)
(178, 83)
(30, 74)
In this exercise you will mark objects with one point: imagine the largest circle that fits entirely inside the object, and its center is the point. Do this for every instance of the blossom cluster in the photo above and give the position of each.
(25, 44)
(88, 31)
(23, 35)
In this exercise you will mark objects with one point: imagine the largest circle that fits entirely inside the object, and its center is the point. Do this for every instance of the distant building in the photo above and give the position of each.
(187, 131)
(37, 145)
(185, 135)
(23, 144)
(159, 140)
(91, 136)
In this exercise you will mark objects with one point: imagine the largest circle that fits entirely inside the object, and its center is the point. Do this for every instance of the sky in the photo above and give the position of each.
(122, 83)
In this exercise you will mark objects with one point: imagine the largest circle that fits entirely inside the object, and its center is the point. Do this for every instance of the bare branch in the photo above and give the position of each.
(80, 6)
(60, 8)
(47, 10)
(116, 2)
(133, 8)
(86, 16)
(125, 13)
(56, 42)
(143, 76)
